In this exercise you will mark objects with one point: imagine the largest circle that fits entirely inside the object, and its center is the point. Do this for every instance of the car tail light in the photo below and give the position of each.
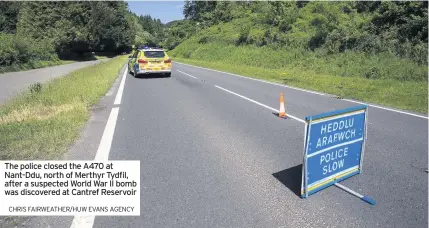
(167, 61)
(142, 61)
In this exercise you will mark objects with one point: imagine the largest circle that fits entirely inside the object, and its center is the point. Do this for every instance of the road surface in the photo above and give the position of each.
(213, 154)
(14, 82)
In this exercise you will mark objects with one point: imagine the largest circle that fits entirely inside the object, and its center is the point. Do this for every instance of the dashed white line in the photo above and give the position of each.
(308, 91)
(187, 74)
(103, 150)
(258, 103)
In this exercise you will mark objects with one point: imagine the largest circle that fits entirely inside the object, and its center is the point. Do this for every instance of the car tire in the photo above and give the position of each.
(135, 74)
(168, 75)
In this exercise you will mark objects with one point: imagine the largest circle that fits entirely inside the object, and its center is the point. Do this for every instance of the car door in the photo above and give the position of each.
(132, 61)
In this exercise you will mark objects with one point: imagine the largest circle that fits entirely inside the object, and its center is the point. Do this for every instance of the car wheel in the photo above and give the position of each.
(168, 75)
(135, 74)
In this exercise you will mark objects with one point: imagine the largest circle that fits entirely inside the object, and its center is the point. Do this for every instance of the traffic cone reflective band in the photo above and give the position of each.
(282, 111)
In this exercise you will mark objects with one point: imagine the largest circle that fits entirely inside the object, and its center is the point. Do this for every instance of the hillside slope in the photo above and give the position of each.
(249, 46)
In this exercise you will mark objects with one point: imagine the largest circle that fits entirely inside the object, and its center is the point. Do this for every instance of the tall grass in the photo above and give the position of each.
(410, 95)
(43, 121)
(247, 46)
(346, 64)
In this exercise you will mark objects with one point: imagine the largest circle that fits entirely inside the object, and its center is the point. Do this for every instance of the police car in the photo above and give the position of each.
(149, 60)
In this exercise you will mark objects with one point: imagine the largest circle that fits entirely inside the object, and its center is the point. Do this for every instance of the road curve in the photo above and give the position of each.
(212, 158)
(14, 82)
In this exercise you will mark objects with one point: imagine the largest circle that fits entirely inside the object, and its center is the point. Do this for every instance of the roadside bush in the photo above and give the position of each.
(372, 73)
(203, 40)
(187, 54)
(36, 87)
(243, 38)
(15, 50)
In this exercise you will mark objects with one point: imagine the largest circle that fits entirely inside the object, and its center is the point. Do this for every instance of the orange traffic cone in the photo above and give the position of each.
(282, 111)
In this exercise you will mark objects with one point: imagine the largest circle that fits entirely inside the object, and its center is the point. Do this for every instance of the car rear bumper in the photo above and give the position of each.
(141, 71)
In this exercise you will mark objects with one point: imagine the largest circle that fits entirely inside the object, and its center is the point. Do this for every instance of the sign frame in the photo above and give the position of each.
(344, 174)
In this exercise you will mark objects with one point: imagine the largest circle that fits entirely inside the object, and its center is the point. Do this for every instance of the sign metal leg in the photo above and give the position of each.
(362, 197)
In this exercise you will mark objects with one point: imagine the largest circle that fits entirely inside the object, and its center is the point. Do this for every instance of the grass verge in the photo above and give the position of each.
(44, 120)
(405, 95)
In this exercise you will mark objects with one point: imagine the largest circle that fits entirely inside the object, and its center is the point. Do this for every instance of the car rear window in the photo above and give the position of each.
(154, 54)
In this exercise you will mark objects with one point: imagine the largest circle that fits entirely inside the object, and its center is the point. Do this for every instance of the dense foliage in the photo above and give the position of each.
(46, 31)
(307, 34)
(154, 27)
(398, 28)
(367, 39)
(176, 32)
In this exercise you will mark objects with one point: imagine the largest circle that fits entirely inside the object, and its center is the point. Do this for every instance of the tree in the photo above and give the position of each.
(78, 26)
(9, 16)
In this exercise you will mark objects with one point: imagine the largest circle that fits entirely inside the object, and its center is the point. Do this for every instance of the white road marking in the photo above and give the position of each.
(295, 118)
(258, 103)
(103, 155)
(83, 222)
(187, 74)
(118, 97)
(308, 91)
(106, 140)
(103, 151)
(389, 109)
(254, 79)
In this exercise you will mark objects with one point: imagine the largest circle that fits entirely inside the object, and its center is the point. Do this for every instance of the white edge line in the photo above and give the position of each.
(389, 109)
(254, 79)
(118, 97)
(87, 221)
(258, 103)
(308, 91)
(106, 140)
(186, 74)
(82, 221)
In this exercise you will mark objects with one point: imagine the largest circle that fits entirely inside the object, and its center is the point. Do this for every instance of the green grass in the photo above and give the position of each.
(406, 95)
(44, 121)
(248, 47)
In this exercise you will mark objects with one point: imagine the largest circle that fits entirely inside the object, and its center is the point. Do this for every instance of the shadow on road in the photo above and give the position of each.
(151, 76)
(87, 56)
(277, 114)
(291, 178)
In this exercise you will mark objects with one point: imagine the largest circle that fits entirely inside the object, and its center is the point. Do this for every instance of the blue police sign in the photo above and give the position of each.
(333, 148)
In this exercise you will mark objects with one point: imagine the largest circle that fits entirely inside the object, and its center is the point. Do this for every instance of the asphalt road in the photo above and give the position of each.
(210, 158)
(15, 82)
